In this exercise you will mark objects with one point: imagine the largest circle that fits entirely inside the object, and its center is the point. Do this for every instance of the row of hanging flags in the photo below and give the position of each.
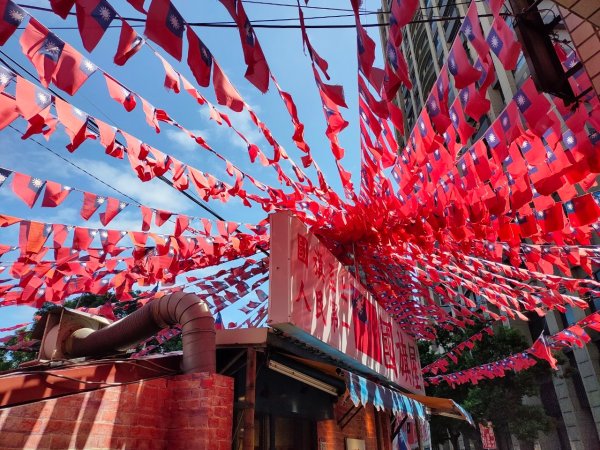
(453, 228)
(572, 336)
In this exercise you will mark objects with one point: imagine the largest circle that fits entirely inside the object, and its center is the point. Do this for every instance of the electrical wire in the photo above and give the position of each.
(162, 178)
(260, 23)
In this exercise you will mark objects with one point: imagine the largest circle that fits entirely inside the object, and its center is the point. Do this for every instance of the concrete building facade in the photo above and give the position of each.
(572, 396)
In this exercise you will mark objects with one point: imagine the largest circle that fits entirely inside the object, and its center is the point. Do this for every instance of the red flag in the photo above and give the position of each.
(27, 188)
(91, 203)
(551, 219)
(460, 67)
(120, 93)
(33, 235)
(199, 58)
(113, 207)
(171, 76)
(75, 122)
(504, 44)
(73, 70)
(181, 224)
(11, 17)
(83, 237)
(257, 72)
(471, 29)
(534, 107)
(93, 19)
(459, 122)
(62, 7)
(474, 102)
(366, 327)
(396, 117)
(165, 25)
(224, 91)
(9, 111)
(129, 44)
(138, 4)
(55, 194)
(146, 217)
(582, 210)
(401, 13)
(43, 48)
(540, 350)
(32, 100)
(161, 217)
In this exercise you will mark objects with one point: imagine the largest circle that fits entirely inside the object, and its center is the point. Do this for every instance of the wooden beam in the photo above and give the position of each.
(250, 399)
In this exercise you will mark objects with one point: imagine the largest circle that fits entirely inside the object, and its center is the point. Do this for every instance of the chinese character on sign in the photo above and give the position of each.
(318, 265)
(302, 296)
(404, 367)
(487, 436)
(414, 368)
(389, 355)
(319, 309)
(334, 316)
(302, 249)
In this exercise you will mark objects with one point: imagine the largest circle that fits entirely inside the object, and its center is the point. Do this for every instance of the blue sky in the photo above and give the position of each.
(144, 74)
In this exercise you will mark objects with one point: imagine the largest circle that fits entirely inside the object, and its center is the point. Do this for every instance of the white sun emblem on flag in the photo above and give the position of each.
(36, 182)
(174, 21)
(89, 66)
(43, 98)
(422, 125)
(122, 205)
(454, 117)
(468, 31)
(51, 48)
(16, 15)
(104, 234)
(105, 14)
(494, 42)
(93, 232)
(465, 96)
(433, 104)
(504, 121)
(2, 178)
(569, 206)
(100, 200)
(570, 140)
(4, 78)
(492, 138)
(521, 100)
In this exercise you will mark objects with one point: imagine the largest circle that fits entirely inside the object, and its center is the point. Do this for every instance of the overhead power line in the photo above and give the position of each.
(263, 23)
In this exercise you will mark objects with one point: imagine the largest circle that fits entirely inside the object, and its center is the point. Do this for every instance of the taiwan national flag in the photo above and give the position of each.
(73, 70)
(43, 48)
(91, 203)
(27, 188)
(55, 194)
(460, 67)
(75, 122)
(120, 93)
(462, 127)
(225, 93)
(472, 31)
(503, 43)
(165, 26)
(93, 19)
(199, 58)
(551, 219)
(9, 112)
(129, 44)
(582, 210)
(366, 326)
(534, 107)
(11, 16)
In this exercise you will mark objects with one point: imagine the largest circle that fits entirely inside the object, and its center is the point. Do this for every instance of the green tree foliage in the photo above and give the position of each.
(500, 400)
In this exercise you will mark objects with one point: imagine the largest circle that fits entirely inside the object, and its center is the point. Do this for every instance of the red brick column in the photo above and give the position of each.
(185, 411)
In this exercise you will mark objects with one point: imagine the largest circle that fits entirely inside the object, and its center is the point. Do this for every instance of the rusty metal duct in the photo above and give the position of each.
(188, 310)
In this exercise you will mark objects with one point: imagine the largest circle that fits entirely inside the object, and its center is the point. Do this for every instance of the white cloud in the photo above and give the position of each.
(183, 141)
(154, 193)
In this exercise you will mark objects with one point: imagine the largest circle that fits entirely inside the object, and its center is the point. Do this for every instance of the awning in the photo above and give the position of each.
(363, 392)
(443, 407)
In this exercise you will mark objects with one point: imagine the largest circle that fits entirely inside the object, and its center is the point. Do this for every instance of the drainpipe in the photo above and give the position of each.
(188, 310)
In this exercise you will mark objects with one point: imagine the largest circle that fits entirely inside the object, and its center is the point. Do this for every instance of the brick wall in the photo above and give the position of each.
(185, 411)
(366, 425)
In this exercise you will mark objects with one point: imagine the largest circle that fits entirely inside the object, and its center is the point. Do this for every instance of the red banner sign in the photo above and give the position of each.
(314, 298)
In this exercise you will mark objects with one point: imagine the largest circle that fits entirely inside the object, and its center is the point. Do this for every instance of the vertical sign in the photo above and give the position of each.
(314, 298)
(487, 436)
